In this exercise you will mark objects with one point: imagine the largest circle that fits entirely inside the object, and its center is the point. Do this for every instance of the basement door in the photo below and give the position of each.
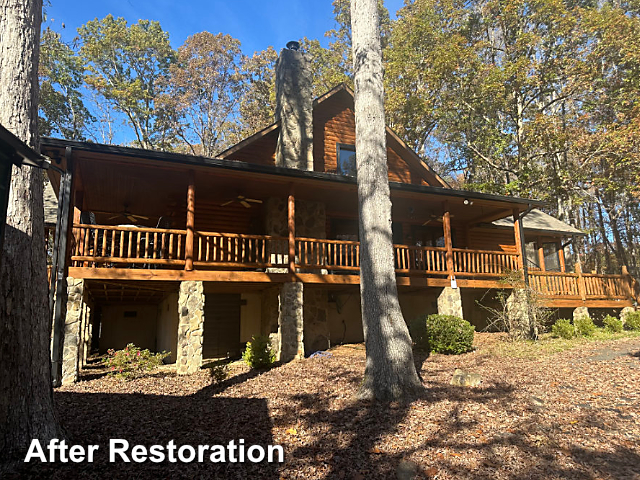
(221, 325)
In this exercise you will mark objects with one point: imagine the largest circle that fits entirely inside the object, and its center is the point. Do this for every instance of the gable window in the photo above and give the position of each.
(346, 160)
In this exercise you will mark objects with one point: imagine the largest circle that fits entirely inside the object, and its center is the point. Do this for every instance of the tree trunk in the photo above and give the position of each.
(26, 401)
(390, 372)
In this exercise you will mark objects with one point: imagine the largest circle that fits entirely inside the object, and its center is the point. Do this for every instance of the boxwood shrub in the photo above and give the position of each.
(563, 329)
(632, 322)
(442, 334)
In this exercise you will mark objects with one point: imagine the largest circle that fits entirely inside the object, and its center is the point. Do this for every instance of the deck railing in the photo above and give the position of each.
(105, 246)
(133, 247)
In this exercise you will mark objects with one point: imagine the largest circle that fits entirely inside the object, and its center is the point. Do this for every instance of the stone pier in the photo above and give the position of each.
(290, 322)
(77, 337)
(450, 302)
(190, 327)
(520, 315)
(580, 312)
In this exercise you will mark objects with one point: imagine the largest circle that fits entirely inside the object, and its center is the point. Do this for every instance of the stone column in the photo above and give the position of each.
(625, 312)
(290, 322)
(72, 330)
(316, 323)
(450, 302)
(521, 319)
(294, 108)
(580, 312)
(190, 327)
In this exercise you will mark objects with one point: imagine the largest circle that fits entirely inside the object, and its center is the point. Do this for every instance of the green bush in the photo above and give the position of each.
(132, 362)
(443, 334)
(584, 326)
(418, 332)
(612, 324)
(219, 373)
(563, 329)
(632, 322)
(258, 353)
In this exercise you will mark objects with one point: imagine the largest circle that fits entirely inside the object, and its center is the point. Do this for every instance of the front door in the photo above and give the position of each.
(221, 325)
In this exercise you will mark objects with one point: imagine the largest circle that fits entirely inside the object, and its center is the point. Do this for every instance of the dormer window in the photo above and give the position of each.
(346, 160)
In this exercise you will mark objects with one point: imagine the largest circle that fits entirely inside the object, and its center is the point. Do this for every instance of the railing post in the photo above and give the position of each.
(446, 226)
(291, 223)
(519, 237)
(563, 267)
(191, 220)
(581, 285)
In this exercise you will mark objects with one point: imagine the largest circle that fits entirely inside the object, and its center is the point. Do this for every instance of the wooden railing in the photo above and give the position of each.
(313, 253)
(132, 247)
(234, 250)
(106, 246)
(582, 285)
(420, 259)
(485, 263)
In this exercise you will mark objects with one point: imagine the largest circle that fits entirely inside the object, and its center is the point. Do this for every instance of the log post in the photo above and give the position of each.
(291, 223)
(446, 226)
(519, 238)
(563, 267)
(191, 220)
(541, 255)
(581, 286)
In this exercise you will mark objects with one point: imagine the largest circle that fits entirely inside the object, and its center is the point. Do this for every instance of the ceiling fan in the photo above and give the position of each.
(242, 200)
(133, 218)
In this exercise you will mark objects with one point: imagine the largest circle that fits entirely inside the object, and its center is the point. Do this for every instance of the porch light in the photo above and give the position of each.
(467, 201)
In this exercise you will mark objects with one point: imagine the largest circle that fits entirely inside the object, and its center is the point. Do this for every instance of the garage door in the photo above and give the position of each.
(221, 325)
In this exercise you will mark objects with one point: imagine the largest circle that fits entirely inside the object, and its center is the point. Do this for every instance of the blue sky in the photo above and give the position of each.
(257, 24)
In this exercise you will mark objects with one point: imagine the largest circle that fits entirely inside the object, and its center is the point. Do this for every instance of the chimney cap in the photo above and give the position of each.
(293, 45)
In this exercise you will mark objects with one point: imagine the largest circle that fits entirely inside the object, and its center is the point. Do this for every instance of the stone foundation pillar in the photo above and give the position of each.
(450, 302)
(190, 327)
(316, 323)
(625, 312)
(580, 312)
(290, 322)
(520, 316)
(71, 344)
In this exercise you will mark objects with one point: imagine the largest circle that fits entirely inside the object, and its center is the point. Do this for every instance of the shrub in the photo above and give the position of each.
(219, 373)
(632, 322)
(443, 334)
(612, 324)
(258, 353)
(418, 332)
(584, 326)
(563, 329)
(132, 362)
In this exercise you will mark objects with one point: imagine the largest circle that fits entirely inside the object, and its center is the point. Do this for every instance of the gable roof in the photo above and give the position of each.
(410, 156)
(538, 221)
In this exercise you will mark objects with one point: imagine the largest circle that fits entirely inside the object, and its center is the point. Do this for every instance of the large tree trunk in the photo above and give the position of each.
(26, 398)
(390, 372)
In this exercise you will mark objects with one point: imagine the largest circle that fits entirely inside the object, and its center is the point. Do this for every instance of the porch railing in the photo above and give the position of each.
(132, 247)
(105, 246)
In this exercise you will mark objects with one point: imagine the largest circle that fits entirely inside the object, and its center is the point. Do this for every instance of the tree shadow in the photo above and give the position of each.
(95, 418)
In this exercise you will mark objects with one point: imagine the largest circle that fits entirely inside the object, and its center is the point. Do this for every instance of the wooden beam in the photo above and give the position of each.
(446, 226)
(291, 223)
(563, 267)
(520, 245)
(581, 285)
(540, 254)
(490, 217)
(191, 220)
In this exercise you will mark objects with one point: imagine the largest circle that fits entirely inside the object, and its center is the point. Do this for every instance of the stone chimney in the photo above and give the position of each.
(294, 107)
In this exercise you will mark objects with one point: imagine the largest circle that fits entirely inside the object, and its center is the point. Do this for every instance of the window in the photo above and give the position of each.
(551, 259)
(346, 160)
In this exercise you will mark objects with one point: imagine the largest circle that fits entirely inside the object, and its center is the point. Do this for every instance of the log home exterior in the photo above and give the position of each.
(194, 255)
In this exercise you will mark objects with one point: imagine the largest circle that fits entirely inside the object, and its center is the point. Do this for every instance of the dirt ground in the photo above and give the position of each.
(574, 414)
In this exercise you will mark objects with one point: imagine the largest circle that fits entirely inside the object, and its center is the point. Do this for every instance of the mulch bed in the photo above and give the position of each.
(569, 415)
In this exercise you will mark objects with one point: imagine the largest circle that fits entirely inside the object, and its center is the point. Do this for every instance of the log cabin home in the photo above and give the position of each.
(195, 255)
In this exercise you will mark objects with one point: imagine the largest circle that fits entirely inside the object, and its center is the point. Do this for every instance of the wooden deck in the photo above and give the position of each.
(121, 253)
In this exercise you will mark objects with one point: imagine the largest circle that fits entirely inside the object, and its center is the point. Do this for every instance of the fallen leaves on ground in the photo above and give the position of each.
(566, 415)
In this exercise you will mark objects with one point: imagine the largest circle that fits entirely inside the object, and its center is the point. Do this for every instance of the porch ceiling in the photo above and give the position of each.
(154, 184)
(129, 292)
